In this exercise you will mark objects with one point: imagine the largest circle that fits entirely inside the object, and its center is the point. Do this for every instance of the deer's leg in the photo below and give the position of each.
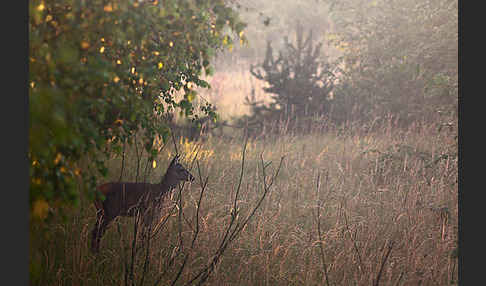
(102, 222)
(96, 230)
(146, 223)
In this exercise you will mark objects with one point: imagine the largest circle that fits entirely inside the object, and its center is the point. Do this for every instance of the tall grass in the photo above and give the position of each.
(354, 208)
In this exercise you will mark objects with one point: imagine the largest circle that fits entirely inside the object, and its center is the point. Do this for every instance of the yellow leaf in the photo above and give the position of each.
(58, 158)
(133, 70)
(84, 45)
(40, 209)
(118, 62)
(102, 49)
(154, 164)
(160, 65)
(108, 8)
(41, 7)
(171, 44)
(190, 96)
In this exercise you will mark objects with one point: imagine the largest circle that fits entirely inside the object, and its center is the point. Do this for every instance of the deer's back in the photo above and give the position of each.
(124, 194)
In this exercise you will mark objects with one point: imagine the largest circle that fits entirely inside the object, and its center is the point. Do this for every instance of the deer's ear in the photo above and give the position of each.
(176, 159)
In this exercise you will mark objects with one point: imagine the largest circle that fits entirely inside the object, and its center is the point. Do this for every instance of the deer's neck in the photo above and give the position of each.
(167, 184)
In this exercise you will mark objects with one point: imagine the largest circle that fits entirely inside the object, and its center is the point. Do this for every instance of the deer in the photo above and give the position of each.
(128, 199)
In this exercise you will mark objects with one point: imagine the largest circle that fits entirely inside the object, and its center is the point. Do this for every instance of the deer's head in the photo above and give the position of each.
(177, 173)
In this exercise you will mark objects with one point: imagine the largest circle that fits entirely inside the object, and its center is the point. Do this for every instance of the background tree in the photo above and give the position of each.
(400, 58)
(299, 79)
(101, 71)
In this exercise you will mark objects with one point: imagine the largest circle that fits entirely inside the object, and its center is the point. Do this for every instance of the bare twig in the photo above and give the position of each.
(138, 157)
(235, 210)
(147, 171)
(377, 281)
(265, 192)
(122, 162)
(203, 184)
(196, 232)
(147, 251)
(134, 244)
(173, 140)
(206, 271)
(203, 187)
(159, 225)
(355, 246)
(232, 232)
(125, 259)
(319, 205)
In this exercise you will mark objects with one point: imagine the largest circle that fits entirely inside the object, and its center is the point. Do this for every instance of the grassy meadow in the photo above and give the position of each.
(346, 208)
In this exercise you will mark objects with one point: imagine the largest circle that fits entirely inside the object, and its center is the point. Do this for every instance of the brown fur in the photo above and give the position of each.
(126, 199)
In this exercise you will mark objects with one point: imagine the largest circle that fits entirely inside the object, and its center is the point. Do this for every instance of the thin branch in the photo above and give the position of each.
(241, 176)
(319, 205)
(159, 225)
(203, 187)
(208, 269)
(125, 258)
(134, 248)
(147, 251)
(204, 274)
(266, 190)
(123, 162)
(139, 157)
(355, 246)
(196, 232)
(173, 140)
(377, 281)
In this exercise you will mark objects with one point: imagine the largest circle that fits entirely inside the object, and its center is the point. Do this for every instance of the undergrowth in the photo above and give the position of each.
(345, 209)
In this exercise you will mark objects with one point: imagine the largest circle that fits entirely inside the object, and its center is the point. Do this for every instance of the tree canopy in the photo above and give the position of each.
(101, 70)
(400, 57)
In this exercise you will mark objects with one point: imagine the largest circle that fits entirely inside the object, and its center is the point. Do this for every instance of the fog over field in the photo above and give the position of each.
(322, 136)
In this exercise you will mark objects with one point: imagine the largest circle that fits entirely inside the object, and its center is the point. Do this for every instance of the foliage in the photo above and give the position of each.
(101, 71)
(299, 79)
(400, 58)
